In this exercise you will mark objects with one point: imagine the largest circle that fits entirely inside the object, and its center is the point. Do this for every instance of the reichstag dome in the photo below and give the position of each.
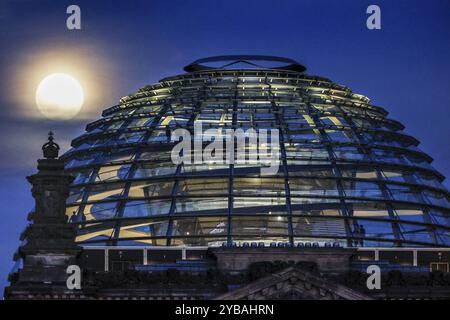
(348, 174)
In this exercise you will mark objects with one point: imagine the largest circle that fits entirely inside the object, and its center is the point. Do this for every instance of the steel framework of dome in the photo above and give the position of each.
(348, 174)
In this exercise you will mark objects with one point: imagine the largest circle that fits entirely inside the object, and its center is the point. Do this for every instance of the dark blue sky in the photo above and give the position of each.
(124, 45)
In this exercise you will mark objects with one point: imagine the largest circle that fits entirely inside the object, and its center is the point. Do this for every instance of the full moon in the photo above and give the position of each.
(59, 96)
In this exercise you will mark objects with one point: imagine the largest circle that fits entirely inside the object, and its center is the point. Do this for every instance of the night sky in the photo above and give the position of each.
(124, 45)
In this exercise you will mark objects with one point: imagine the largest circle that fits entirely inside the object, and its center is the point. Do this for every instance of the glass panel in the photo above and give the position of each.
(340, 135)
(360, 173)
(443, 237)
(150, 189)
(404, 193)
(99, 210)
(70, 211)
(133, 229)
(399, 176)
(194, 205)
(145, 170)
(203, 187)
(112, 172)
(146, 208)
(361, 189)
(373, 229)
(81, 160)
(82, 176)
(348, 153)
(318, 212)
(370, 228)
(430, 180)
(369, 210)
(259, 186)
(318, 187)
(309, 172)
(259, 225)
(302, 151)
(131, 137)
(245, 202)
(205, 168)
(439, 216)
(104, 191)
(295, 200)
(415, 233)
(140, 122)
(436, 198)
(307, 135)
(314, 226)
(159, 136)
(390, 156)
(112, 157)
(75, 195)
(419, 161)
(193, 241)
(200, 226)
(155, 156)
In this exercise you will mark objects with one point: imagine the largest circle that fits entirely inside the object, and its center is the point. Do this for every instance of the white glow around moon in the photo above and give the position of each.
(59, 96)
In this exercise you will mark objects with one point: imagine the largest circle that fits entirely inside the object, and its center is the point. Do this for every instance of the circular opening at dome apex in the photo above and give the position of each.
(245, 62)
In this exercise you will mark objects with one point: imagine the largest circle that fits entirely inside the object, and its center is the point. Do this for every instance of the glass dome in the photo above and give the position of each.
(348, 174)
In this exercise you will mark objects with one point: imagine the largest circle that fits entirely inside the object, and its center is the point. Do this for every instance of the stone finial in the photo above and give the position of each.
(50, 148)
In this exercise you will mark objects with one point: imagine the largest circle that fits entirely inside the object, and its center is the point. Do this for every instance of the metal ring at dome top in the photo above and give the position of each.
(290, 65)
